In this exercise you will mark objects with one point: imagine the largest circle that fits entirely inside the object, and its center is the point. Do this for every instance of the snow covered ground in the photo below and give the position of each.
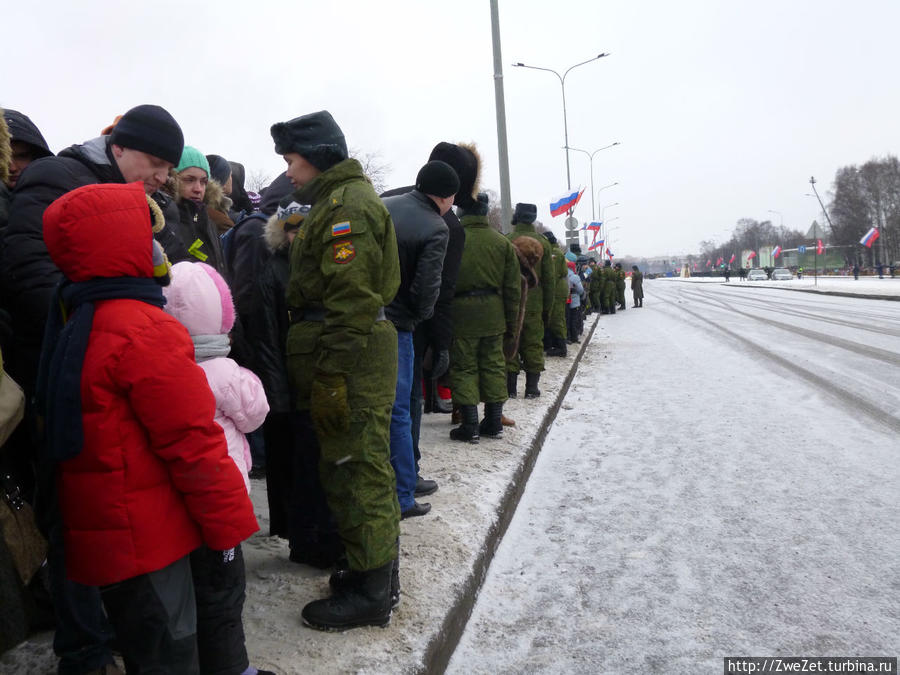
(871, 286)
(721, 481)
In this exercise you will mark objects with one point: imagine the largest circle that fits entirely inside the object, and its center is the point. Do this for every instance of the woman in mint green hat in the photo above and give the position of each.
(190, 190)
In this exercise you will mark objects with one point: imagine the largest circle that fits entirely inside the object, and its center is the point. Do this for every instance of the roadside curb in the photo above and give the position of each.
(440, 649)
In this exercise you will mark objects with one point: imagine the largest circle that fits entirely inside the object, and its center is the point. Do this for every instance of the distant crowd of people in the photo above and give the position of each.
(175, 335)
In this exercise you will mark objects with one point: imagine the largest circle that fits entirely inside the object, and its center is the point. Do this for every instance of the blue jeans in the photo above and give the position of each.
(402, 458)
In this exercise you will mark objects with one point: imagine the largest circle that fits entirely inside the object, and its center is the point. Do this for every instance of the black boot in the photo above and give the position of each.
(362, 599)
(492, 424)
(512, 380)
(531, 385)
(468, 430)
(341, 578)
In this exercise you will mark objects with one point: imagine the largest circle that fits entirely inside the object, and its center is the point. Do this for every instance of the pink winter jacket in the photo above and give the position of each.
(200, 299)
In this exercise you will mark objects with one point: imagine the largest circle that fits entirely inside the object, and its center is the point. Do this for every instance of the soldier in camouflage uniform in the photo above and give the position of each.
(595, 288)
(485, 308)
(537, 312)
(620, 286)
(342, 359)
(608, 299)
(555, 337)
(637, 286)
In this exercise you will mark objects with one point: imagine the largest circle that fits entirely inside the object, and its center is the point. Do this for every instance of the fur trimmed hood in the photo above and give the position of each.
(274, 234)
(200, 299)
(530, 253)
(5, 151)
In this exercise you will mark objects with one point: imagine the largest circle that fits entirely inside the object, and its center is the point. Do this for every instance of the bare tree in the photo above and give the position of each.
(494, 214)
(257, 180)
(374, 166)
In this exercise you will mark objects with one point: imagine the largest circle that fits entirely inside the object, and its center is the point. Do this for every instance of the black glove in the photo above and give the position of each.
(440, 363)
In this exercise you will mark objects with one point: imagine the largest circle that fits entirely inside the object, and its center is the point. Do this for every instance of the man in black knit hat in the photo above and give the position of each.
(145, 143)
(422, 243)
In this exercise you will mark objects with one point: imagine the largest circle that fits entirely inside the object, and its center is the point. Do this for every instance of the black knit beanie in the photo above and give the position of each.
(524, 213)
(316, 137)
(437, 178)
(219, 168)
(465, 163)
(150, 129)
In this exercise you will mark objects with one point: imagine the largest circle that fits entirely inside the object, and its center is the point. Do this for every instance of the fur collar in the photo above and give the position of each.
(5, 151)
(274, 234)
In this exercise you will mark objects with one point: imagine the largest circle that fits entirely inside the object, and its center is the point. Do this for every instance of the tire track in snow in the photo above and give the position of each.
(826, 385)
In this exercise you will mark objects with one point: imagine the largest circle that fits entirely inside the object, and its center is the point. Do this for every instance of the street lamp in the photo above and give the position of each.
(591, 156)
(779, 215)
(562, 82)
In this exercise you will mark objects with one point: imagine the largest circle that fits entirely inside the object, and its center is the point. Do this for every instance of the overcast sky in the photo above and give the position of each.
(723, 109)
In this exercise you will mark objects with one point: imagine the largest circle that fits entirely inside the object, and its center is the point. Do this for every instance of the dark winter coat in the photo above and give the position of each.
(28, 274)
(269, 318)
(154, 479)
(438, 330)
(421, 243)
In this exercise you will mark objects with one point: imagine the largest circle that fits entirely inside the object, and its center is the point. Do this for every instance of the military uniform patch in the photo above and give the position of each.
(344, 252)
(340, 228)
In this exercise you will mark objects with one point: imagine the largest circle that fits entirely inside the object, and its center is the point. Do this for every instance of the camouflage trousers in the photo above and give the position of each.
(361, 488)
(531, 347)
(477, 370)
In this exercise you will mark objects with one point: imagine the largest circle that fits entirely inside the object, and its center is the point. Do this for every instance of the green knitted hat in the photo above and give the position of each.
(192, 157)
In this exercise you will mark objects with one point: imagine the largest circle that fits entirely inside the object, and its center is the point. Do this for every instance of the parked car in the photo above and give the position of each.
(756, 274)
(781, 274)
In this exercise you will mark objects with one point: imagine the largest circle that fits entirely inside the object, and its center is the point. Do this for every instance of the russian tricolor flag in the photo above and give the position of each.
(593, 226)
(565, 202)
(870, 237)
(595, 245)
(776, 251)
(609, 253)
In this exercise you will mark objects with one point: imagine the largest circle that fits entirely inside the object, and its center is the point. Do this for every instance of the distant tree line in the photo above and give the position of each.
(864, 197)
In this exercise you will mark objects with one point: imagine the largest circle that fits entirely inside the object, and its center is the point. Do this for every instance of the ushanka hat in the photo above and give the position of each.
(219, 168)
(316, 137)
(524, 213)
(465, 161)
(150, 129)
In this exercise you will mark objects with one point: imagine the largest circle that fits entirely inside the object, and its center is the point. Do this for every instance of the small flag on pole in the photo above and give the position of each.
(820, 247)
(593, 226)
(595, 245)
(708, 263)
(609, 253)
(751, 255)
(565, 202)
(719, 261)
(870, 237)
(731, 259)
(776, 251)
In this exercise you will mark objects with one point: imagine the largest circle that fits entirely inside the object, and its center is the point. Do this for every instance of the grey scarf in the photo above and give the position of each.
(208, 347)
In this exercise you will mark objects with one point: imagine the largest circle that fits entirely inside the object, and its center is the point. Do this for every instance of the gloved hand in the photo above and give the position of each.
(440, 363)
(328, 405)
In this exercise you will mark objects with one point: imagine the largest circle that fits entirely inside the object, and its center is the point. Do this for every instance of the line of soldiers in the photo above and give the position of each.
(606, 287)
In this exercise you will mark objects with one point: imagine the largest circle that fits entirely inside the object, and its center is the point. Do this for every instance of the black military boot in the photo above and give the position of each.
(512, 382)
(361, 599)
(342, 577)
(531, 385)
(429, 396)
(492, 424)
(468, 430)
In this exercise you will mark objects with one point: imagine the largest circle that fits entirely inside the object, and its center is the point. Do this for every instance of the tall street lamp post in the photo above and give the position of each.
(562, 82)
(591, 156)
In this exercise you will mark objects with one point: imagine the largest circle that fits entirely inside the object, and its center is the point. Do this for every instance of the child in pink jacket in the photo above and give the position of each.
(200, 299)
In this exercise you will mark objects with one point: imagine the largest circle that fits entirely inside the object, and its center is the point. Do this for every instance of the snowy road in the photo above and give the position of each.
(721, 480)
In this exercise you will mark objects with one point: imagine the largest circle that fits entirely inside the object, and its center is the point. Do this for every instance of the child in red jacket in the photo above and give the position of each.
(143, 471)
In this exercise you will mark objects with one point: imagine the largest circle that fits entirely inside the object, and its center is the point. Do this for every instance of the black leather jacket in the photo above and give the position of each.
(422, 243)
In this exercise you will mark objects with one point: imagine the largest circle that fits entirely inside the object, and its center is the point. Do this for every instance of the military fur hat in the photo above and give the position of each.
(524, 213)
(478, 207)
(316, 137)
(466, 161)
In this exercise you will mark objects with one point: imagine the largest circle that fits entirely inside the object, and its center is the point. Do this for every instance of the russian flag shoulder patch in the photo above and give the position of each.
(339, 229)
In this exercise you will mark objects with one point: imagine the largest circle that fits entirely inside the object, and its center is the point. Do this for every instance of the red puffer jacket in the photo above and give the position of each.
(154, 479)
